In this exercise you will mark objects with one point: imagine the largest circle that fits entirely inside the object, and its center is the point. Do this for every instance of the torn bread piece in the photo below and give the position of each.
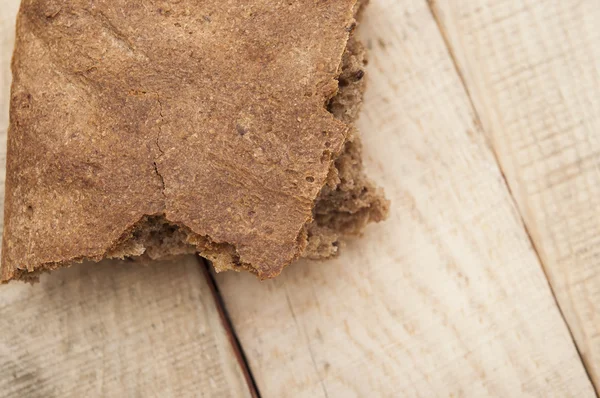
(210, 127)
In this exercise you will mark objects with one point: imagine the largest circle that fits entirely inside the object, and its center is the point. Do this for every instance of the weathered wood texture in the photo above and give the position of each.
(447, 298)
(116, 329)
(533, 71)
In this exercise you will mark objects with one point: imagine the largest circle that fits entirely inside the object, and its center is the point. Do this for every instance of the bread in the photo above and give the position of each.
(153, 130)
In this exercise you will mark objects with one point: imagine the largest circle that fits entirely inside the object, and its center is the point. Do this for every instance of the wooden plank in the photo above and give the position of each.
(533, 71)
(116, 329)
(447, 298)
(113, 329)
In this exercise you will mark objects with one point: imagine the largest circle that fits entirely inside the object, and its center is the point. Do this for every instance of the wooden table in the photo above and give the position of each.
(482, 122)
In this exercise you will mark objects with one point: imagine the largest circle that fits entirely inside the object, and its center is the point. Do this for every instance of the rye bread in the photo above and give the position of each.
(148, 131)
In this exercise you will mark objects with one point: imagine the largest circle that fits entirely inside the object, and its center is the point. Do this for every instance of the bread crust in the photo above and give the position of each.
(209, 116)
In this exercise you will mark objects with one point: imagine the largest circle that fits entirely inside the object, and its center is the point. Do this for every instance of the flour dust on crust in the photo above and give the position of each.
(135, 144)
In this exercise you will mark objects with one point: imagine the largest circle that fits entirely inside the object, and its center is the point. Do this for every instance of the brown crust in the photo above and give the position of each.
(208, 115)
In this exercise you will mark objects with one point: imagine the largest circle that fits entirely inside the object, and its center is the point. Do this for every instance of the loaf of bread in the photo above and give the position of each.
(146, 129)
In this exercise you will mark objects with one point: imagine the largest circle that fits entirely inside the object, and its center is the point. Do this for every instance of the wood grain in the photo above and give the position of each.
(533, 71)
(447, 298)
(113, 329)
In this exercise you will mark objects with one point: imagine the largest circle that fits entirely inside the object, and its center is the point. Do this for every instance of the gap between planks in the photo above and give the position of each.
(478, 125)
(228, 326)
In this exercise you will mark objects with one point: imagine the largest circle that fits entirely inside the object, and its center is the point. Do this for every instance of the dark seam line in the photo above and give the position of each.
(229, 328)
(431, 5)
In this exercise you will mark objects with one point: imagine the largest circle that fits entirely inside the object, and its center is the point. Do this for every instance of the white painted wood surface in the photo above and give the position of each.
(116, 330)
(533, 71)
(447, 298)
